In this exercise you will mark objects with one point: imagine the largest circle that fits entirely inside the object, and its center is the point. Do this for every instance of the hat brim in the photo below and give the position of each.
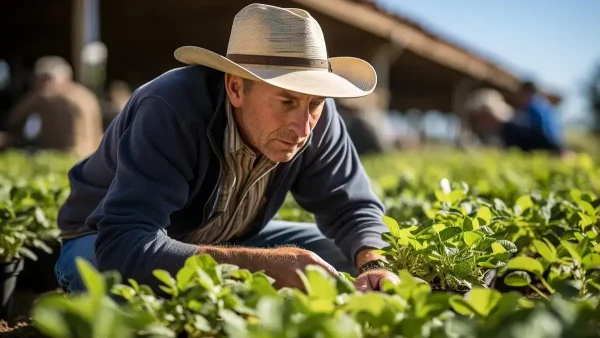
(350, 77)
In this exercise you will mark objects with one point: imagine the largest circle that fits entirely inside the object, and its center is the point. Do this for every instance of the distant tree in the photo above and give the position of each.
(594, 96)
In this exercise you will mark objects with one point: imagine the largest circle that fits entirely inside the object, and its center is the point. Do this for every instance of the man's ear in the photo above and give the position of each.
(235, 89)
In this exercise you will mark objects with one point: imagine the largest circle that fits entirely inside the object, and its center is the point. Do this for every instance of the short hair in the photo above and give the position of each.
(529, 86)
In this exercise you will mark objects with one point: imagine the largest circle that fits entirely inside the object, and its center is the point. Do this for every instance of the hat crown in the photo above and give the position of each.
(260, 29)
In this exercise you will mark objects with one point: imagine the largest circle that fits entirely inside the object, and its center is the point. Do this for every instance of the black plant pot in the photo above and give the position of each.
(38, 276)
(9, 271)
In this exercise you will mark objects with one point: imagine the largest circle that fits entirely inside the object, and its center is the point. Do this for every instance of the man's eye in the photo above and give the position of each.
(315, 104)
(287, 102)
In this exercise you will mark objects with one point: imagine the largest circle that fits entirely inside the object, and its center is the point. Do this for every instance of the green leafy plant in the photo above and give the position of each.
(93, 313)
(453, 255)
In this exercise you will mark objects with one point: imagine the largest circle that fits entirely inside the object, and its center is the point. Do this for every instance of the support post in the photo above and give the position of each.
(78, 35)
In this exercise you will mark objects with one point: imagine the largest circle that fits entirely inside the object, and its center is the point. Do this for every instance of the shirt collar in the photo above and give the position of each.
(233, 140)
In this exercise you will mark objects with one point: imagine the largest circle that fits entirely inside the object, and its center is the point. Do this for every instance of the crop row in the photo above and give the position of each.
(485, 244)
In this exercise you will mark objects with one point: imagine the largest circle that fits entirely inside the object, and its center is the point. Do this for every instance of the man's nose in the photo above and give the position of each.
(300, 123)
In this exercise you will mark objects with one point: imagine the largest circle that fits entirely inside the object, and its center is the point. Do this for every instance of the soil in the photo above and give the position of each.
(20, 325)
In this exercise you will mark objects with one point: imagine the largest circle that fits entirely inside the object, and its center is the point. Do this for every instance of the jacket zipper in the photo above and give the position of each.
(218, 177)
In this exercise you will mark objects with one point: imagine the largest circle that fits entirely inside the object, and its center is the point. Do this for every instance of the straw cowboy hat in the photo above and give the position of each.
(285, 47)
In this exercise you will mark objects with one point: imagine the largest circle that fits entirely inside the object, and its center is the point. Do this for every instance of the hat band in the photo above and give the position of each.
(267, 60)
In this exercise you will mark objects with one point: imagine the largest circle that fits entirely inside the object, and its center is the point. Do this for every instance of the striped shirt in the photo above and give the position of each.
(246, 177)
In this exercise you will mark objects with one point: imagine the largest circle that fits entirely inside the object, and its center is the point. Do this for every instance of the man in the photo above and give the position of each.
(538, 113)
(493, 119)
(202, 157)
(58, 113)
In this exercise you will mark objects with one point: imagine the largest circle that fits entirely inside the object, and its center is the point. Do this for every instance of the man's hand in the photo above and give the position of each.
(282, 265)
(279, 263)
(372, 280)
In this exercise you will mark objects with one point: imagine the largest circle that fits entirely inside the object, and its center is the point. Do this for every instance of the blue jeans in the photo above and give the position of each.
(303, 235)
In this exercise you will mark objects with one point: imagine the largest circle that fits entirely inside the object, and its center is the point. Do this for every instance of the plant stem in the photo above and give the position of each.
(546, 285)
(538, 291)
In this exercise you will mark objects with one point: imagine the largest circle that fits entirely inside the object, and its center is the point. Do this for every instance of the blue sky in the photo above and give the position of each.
(555, 42)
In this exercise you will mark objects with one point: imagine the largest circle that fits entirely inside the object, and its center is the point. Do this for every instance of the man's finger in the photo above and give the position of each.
(362, 284)
(320, 261)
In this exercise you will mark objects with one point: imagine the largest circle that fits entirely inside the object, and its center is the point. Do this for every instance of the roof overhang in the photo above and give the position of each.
(423, 43)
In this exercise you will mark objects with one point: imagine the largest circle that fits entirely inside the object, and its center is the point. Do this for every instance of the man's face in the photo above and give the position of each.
(523, 98)
(484, 120)
(273, 121)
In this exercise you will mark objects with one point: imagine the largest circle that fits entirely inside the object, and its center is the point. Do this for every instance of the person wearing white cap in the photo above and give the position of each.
(201, 159)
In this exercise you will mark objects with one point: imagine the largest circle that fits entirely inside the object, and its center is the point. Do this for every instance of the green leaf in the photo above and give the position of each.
(572, 249)
(28, 253)
(591, 261)
(40, 217)
(551, 247)
(371, 302)
(483, 300)
(461, 306)
(471, 238)
(484, 214)
(92, 279)
(509, 246)
(270, 311)
(462, 269)
(544, 250)
(205, 280)
(165, 277)
(134, 284)
(525, 264)
(507, 305)
(597, 248)
(587, 207)
(456, 196)
(498, 248)
(470, 224)
(392, 226)
(449, 233)
(48, 319)
(321, 283)
(585, 220)
(234, 325)
(201, 324)
(41, 245)
(262, 286)
(517, 279)
(442, 197)
(423, 227)
(524, 202)
(184, 276)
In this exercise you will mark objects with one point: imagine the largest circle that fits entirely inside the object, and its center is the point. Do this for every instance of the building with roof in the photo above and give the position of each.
(416, 68)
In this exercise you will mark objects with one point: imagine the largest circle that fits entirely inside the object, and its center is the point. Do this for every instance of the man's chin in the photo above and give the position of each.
(281, 156)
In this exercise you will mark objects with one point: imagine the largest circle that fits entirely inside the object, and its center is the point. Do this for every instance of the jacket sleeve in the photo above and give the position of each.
(156, 155)
(333, 185)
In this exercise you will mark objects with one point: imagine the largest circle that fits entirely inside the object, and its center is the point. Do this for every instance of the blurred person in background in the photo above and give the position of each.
(536, 112)
(202, 157)
(493, 118)
(57, 113)
(118, 94)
